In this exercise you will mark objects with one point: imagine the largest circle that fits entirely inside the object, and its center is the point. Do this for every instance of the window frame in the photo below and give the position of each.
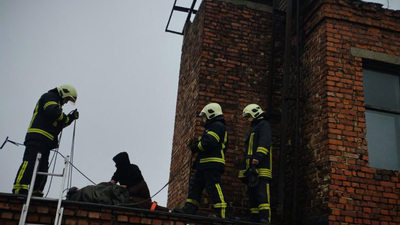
(381, 67)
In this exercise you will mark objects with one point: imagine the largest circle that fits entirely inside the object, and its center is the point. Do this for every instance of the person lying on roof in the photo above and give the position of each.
(103, 193)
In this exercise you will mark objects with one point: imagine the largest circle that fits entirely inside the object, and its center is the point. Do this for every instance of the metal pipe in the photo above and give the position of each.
(271, 62)
(297, 116)
(285, 105)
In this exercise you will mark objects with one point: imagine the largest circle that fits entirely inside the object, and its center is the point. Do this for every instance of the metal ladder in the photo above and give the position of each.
(60, 209)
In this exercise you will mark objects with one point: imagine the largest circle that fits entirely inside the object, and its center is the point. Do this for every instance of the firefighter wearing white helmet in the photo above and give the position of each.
(256, 170)
(47, 122)
(252, 110)
(211, 110)
(68, 92)
(210, 162)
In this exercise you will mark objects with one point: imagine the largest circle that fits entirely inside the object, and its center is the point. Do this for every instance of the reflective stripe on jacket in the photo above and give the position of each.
(258, 146)
(211, 146)
(48, 118)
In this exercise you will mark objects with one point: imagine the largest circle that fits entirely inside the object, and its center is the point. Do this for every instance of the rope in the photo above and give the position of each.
(189, 162)
(69, 183)
(54, 157)
(78, 170)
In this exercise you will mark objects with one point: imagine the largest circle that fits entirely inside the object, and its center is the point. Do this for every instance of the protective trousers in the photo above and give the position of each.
(259, 198)
(209, 179)
(25, 171)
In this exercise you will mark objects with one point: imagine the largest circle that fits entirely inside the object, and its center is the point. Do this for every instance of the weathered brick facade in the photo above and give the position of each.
(333, 121)
(226, 59)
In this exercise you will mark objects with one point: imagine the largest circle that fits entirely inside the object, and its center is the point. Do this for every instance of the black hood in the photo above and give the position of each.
(121, 160)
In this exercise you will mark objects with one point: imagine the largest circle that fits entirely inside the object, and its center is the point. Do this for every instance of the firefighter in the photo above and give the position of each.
(256, 171)
(210, 162)
(47, 122)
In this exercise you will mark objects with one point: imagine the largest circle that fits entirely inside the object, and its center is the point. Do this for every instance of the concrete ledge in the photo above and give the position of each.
(251, 5)
(377, 56)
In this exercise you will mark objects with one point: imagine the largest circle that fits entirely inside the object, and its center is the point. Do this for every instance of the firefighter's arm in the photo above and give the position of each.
(211, 138)
(52, 109)
(264, 143)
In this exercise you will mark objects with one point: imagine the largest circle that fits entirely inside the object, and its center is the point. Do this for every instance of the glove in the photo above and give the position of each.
(73, 115)
(251, 175)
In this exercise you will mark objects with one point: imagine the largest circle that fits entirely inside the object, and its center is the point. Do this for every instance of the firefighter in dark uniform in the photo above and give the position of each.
(209, 163)
(258, 164)
(47, 122)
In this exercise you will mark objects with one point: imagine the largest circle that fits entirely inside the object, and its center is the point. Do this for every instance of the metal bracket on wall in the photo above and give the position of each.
(176, 8)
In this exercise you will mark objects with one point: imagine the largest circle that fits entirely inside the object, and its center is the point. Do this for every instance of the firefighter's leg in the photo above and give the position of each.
(40, 181)
(214, 190)
(264, 206)
(25, 171)
(254, 212)
(196, 187)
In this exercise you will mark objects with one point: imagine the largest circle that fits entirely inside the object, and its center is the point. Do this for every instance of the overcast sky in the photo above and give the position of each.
(124, 66)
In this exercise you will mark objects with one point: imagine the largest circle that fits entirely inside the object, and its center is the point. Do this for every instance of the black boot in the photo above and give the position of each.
(37, 193)
(264, 217)
(188, 208)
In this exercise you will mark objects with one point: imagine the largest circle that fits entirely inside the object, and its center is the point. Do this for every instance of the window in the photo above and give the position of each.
(382, 102)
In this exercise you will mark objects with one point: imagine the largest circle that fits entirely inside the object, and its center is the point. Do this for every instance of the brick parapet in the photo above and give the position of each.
(77, 213)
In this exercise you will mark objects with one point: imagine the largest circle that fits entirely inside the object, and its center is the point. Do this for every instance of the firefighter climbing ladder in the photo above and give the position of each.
(60, 209)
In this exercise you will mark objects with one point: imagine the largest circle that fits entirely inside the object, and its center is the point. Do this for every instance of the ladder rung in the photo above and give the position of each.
(44, 199)
(50, 174)
(35, 224)
(60, 209)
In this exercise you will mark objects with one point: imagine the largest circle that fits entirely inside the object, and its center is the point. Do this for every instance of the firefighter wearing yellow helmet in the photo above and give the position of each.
(47, 122)
(209, 163)
(256, 170)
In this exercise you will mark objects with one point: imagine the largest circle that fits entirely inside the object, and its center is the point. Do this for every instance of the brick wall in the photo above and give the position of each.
(231, 64)
(225, 59)
(43, 212)
(186, 109)
(336, 176)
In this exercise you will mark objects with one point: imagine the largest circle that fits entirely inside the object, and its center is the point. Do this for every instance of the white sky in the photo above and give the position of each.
(125, 68)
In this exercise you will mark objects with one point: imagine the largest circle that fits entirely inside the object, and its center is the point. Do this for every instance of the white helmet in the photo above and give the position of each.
(253, 109)
(211, 110)
(66, 91)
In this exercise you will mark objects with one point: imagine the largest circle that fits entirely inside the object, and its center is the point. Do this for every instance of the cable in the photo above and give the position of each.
(78, 170)
(189, 162)
(54, 157)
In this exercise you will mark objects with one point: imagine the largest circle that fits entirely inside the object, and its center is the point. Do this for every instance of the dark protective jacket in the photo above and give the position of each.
(126, 174)
(130, 175)
(104, 193)
(258, 146)
(212, 145)
(48, 119)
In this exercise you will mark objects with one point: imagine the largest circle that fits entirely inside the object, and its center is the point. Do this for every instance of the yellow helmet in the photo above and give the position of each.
(66, 91)
(211, 110)
(253, 110)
